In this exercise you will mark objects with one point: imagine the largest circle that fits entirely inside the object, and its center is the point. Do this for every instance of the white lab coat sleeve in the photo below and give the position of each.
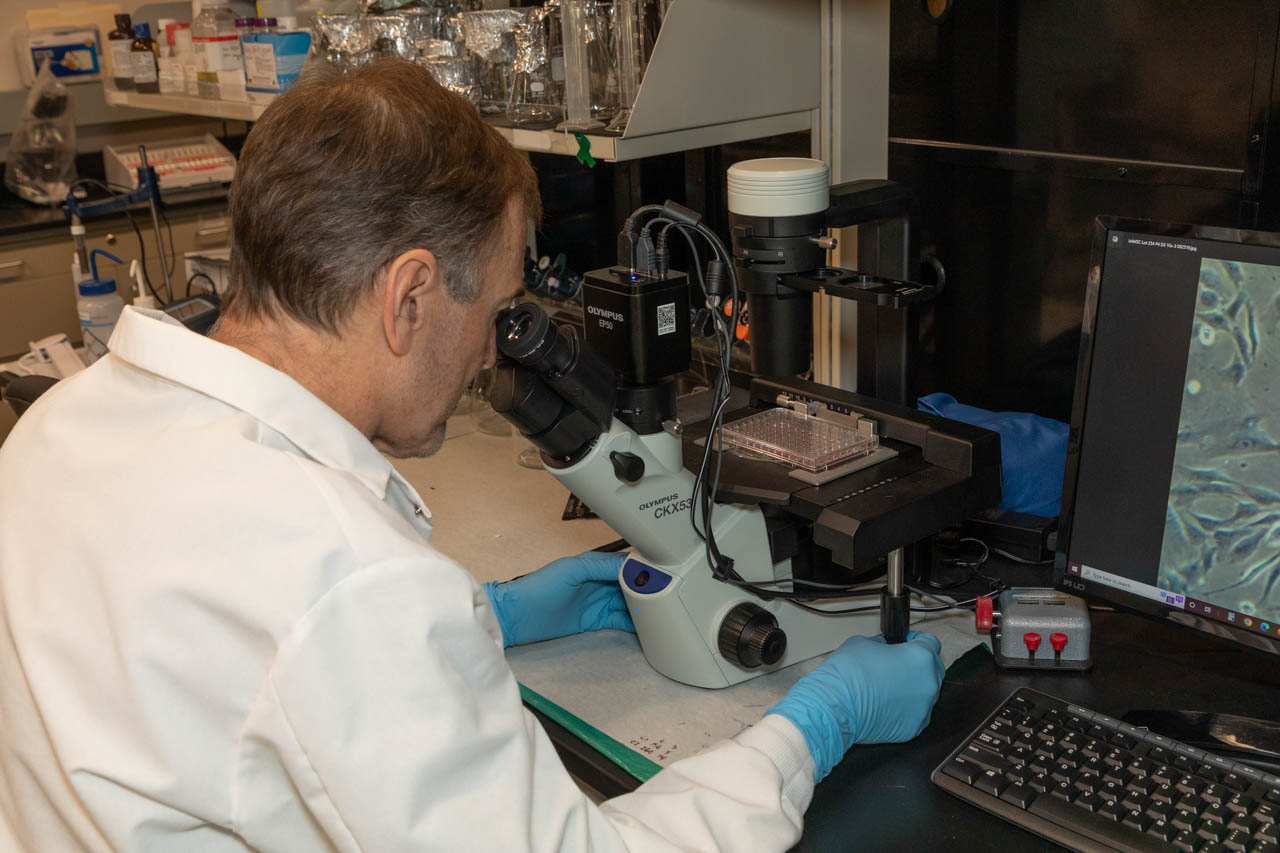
(390, 721)
(749, 793)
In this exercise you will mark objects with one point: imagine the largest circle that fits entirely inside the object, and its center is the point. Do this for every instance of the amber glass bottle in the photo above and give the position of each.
(146, 78)
(119, 42)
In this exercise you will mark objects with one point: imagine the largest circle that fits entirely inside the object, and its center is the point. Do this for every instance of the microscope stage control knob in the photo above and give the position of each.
(627, 467)
(985, 613)
(750, 637)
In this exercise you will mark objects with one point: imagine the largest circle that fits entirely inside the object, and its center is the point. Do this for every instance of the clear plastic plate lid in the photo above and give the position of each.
(808, 442)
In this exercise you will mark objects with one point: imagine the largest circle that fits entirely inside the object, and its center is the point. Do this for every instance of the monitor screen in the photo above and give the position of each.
(1171, 501)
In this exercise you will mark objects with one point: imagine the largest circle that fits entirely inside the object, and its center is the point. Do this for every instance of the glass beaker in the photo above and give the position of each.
(457, 74)
(490, 36)
(532, 101)
(555, 48)
(526, 454)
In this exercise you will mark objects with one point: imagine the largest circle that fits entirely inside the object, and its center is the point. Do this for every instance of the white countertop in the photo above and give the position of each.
(501, 520)
(496, 518)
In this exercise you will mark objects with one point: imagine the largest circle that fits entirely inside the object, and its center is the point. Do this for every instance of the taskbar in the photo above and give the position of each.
(1175, 600)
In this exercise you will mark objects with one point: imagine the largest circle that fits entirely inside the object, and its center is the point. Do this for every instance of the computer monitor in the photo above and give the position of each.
(1171, 500)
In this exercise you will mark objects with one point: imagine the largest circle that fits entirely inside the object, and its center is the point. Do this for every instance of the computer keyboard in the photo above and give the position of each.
(1090, 782)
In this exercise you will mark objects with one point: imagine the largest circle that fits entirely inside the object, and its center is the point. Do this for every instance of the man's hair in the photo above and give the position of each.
(348, 170)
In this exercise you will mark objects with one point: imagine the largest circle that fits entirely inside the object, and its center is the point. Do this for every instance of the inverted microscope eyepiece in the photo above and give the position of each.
(525, 333)
(553, 388)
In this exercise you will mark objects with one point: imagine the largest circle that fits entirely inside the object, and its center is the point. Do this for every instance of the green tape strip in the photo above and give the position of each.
(625, 757)
(584, 150)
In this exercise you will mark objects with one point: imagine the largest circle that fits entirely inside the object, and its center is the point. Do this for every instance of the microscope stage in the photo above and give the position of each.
(941, 473)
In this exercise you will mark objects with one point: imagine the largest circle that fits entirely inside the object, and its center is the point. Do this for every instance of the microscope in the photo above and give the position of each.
(750, 535)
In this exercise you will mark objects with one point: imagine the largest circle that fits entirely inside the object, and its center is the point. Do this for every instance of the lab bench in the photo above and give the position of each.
(37, 297)
(506, 521)
(880, 797)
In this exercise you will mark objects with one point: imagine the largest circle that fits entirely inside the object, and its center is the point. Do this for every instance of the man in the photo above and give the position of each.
(221, 624)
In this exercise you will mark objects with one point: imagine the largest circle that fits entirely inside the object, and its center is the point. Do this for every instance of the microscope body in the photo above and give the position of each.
(692, 627)
(603, 412)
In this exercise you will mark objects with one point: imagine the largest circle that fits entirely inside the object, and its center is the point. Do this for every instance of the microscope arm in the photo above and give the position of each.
(692, 627)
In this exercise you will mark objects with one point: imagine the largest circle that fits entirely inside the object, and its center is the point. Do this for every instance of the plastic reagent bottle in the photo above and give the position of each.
(143, 299)
(217, 49)
(171, 79)
(99, 307)
(185, 55)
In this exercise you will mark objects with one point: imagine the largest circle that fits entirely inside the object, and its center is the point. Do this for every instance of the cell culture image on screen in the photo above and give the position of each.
(1222, 528)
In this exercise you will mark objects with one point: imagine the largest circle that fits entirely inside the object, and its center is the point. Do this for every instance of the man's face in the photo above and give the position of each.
(461, 342)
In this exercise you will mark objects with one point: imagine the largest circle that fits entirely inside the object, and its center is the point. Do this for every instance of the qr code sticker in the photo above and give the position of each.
(666, 318)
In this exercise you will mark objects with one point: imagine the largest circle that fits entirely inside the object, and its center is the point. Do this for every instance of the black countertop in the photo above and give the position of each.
(880, 797)
(19, 216)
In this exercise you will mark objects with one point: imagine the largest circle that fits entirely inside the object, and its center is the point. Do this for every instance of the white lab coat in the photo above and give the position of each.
(222, 628)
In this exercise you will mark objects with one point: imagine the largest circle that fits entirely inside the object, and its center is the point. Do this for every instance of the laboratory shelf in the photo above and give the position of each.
(613, 149)
(721, 71)
(188, 104)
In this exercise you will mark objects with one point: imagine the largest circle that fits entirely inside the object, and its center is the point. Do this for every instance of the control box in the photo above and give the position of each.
(1037, 628)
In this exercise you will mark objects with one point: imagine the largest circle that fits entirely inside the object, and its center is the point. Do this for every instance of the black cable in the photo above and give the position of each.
(997, 587)
(142, 250)
(986, 551)
(866, 609)
(632, 235)
(213, 287)
(704, 498)
(703, 494)
(845, 588)
(759, 588)
(973, 566)
(697, 265)
(721, 566)
(701, 498)
(173, 247)
(959, 605)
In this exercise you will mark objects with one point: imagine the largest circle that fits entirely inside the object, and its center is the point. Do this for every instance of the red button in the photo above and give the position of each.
(1058, 641)
(1032, 640)
(984, 612)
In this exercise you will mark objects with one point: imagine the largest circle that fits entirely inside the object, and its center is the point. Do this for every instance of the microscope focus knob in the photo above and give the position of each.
(627, 467)
(750, 637)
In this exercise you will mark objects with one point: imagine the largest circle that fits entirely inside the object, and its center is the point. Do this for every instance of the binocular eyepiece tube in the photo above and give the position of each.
(552, 388)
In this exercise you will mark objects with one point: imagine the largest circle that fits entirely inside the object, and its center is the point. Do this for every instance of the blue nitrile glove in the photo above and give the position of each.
(866, 691)
(567, 596)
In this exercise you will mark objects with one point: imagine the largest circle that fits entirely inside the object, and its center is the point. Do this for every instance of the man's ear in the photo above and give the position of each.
(411, 284)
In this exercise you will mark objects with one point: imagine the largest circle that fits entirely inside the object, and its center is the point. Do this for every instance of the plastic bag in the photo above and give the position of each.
(1033, 451)
(42, 152)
